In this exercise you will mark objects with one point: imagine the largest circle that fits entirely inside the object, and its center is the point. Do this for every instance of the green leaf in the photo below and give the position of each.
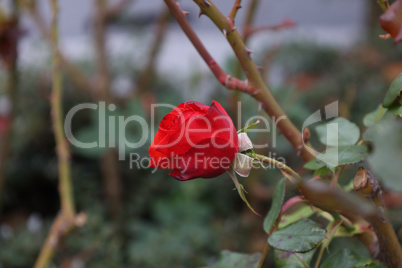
(302, 212)
(322, 172)
(301, 236)
(386, 158)
(346, 155)
(314, 165)
(233, 259)
(249, 127)
(345, 258)
(374, 116)
(240, 189)
(382, 113)
(276, 206)
(338, 132)
(284, 259)
(393, 92)
(394, 111)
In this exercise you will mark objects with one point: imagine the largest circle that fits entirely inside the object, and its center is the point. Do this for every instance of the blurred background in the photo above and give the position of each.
(136, 218)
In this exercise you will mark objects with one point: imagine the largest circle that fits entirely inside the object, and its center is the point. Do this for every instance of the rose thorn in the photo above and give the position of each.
(248, 51)
(225, 33)
(208, 4)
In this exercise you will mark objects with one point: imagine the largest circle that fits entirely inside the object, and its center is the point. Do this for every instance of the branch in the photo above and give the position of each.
(60, 228)
(251, 9)
(109, 162)
(318, 193)
(259, 90)
(146, 76)
(63, 151)
(233, 12)
(235, 97)
(65, 220)
(323, 196)
(250, 15)
(249, 31)
(368, 187)
(72, 71)
(225, 79)
(103, 75)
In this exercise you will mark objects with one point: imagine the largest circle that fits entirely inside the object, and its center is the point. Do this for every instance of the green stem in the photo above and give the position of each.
(264, 255)
(294, 176)
(63, 151)
(65, 220)
(235, 8)
(235, 96)
(332, 231)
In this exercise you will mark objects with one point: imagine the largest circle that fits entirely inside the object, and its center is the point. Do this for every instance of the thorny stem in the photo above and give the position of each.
(323, 195)
(233, 12)
(65, 220)
(368, 187)
(63, 151)
(249, 31)
(318, 193)
(225, 79)
(258, 88)
(235, 97)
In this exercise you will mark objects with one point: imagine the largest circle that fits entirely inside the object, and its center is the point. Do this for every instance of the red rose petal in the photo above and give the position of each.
(196, 141)
(206, 162)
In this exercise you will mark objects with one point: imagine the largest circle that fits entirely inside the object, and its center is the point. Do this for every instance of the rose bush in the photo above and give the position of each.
(196, 141)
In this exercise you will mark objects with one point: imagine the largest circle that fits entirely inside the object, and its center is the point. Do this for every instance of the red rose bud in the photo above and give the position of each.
(196, 140)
